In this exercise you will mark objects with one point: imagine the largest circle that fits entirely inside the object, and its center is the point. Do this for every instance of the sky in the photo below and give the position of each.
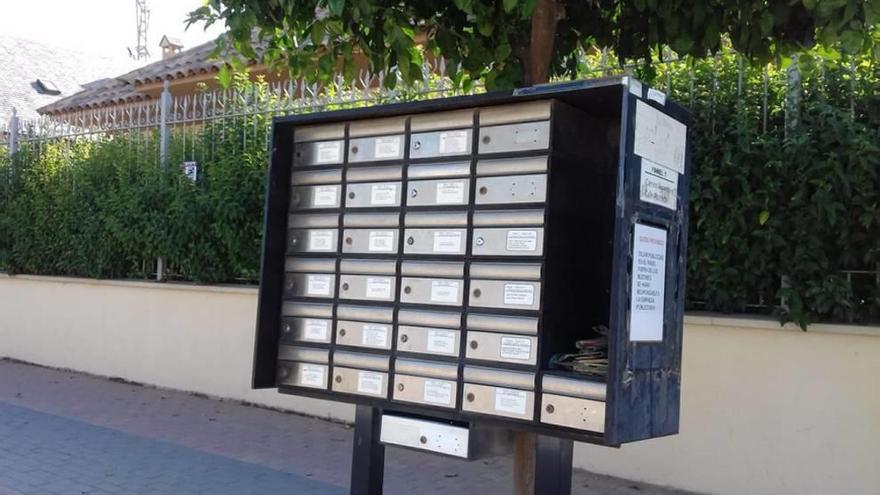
(106, 27)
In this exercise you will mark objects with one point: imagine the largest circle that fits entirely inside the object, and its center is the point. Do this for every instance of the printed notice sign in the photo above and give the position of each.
(447, 241)
(444, 291)
(453, 142)
(370, 383)
(510, 401)
(325, 195)
(519, 294)
(374, 336)
(648, 284)
(387, 147)
(316, 330)
(441, 342)
(319, 285)
(659, 137)
(522, 240)
(438, 392)
(321, 240)
(516, 348)
(381, 241)
(330, 152)
(311, 375)
(450, 193)
(383, 194)
(659, 185)
(378, 288)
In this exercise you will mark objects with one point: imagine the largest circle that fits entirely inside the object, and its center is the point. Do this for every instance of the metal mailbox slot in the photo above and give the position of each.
(319, 145)
(362, 374)
(306, 322)
(425, 382)
(372, 280)
(314, 233)
(511, 189)
(315, 177)
(499, 392)
(421, 283)
(521, 165)
(303, 367)
(376, 140)
(428, 332)
(573, 403)
(509, 339)
(373, 187)
(505, 285)
(315, 197)
(510, 138)
(440, 143)
(364, 326)
(522, 233)
(437, 184)
(309, 278)
(380, 239)
(447, 237)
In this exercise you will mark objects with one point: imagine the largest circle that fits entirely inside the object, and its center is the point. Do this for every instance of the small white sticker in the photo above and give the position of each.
(381, 241)
(453, 142)
(659, 137)
(370, 383)
(441, 342)
(648, 284)
(450, 193)
(519, 294)
(516, 348)
(635, 87)
(383, 194)
(387, 147)
(325, 195)
(522, 240)
(658, 96)
(378, 288)
(447, 241)
(659, 185)
(444, 291)
(330, 152)
(319, 285)
(311, 375)
(438, 392)
(510, 401)
(321, 240)
(374, 335)
(316, 330)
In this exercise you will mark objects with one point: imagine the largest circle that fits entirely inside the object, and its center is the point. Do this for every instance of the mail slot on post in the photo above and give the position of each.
(497, 259)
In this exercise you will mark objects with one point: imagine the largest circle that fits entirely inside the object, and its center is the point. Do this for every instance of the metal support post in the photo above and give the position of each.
(368, 455)
(13, 134)
(553, 457)
(164, 139)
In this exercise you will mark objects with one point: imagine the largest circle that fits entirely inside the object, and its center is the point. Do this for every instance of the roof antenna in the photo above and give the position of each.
(141, 52)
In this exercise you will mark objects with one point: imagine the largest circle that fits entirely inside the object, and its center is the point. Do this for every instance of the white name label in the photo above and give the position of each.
(311, 375)
(522, 240)
(516, 348)
(441, 342)
(330, 152)
(374, 336)
(378, 288)
(317, 330)
(519, 294)
(387, 147)
(659, 137)
(648, 284)
(659, 185)
(445, 291)
(447, 241)
(370, 383)
(450, 193)
(510, 401)
(381, 241)
(325, 195)
(453, 142)
(321, 240)
(438, 392)
(383, 194)
(319, 285)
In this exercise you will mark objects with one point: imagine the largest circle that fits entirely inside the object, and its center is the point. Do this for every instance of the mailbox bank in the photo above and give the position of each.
(513, 259)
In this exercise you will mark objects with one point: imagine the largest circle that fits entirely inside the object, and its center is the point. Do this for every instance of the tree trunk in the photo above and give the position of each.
(544, 19)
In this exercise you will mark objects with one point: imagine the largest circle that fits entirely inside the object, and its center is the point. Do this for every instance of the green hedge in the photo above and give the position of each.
(777, 216)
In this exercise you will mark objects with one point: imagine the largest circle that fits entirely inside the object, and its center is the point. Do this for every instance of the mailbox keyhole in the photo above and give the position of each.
(294, 241)
(423, 439)
(348, 240)
(410, 241)
(345, 286)
(338, 378)
(342, 332)
(400, 387)
(407, 289)
(404, 338)
(474, 344)
(478, 293)
(290, 284)
(480, 241)
(484, 190)
(283, 372)
(486, 139)
(417, 145)
(351, 195)
(550, 409)
(354, 150)
(470, 397)
(286, 328)
(414, 193)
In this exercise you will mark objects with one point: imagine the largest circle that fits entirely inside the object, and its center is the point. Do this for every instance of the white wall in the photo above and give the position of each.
(765, 410)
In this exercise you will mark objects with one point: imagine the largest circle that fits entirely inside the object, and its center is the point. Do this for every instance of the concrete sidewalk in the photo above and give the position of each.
(68, 433)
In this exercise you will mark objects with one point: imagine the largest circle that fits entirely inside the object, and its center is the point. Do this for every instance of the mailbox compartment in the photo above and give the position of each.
(435, 233)
(500, 338)
(306, 322)
(316, 189)
(310, 277)
(515, 128)
(364, 326)
(438, 184)
(367, 280)
(441, 134)
(508, 233)
(373, 187)
(303, 367)
(319, 145)
(313, 233)
(360, 374)
(573, 402)
(430, 383)
(499, 392)
(432, 333)
(376, 140)
(435, 283)
(370, 233)
(514, 286)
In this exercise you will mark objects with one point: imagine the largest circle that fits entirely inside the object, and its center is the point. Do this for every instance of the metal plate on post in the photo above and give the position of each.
(442, 143)
(318, 153)
(299, 329)
(314, 197)
(377, 148)
(322, 285)
(424, 390)
(312, 241)
(310, 375)
(420, 434)
(363, 334)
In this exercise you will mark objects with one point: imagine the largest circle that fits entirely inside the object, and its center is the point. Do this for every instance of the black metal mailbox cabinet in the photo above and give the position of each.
(437, 258)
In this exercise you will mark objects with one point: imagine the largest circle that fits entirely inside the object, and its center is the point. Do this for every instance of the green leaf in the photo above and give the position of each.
(224, 77)
(336, 7)
(763, 217)
(509, 5)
